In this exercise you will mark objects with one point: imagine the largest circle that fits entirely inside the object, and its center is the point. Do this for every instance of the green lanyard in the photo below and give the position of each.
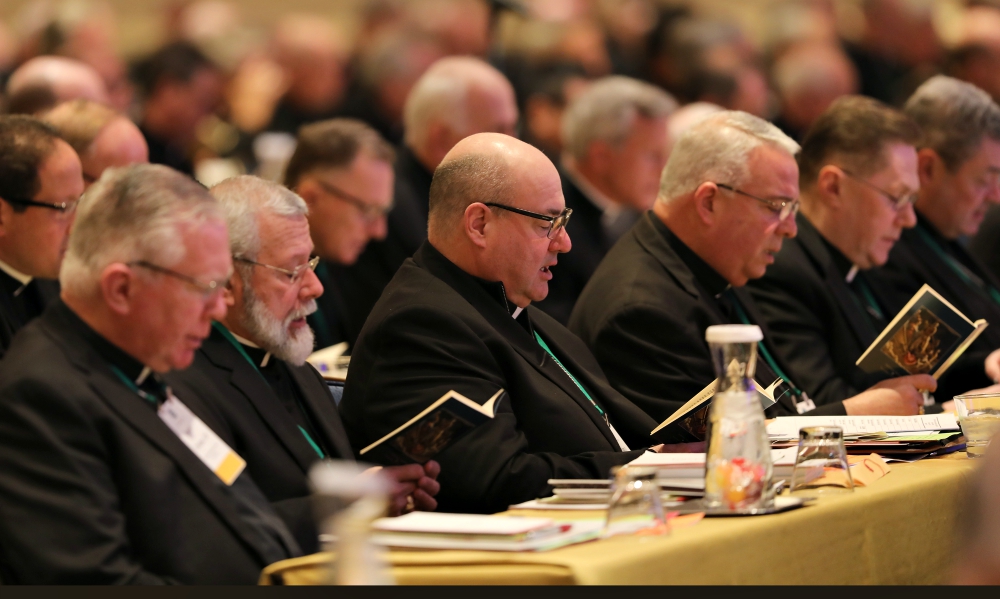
(572, 378)
(131, 385)
(967, 276)
(745, 319)
(239, 347)
(869, 297)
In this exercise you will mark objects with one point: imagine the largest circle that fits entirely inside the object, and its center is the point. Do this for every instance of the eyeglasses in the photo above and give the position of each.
(294, 276)
(898, 202)
(556, 223)
(782, 207)
(369, 212)
(66, 209)
(207, 289)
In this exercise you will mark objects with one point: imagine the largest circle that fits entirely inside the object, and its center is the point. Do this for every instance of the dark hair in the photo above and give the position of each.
(334, 143)
(856, 129)
(25, 143)
(177, 61)
(31, 99)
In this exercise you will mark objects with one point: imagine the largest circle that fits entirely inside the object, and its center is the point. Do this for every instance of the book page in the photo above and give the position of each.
(787, 427)
(434, 522)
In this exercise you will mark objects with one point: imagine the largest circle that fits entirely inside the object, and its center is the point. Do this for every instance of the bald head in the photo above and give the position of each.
(455, 98)
(58, 79)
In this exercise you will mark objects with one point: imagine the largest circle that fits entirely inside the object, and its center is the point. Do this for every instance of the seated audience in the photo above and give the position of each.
(277, 411)
(98, 487)
(615, 137)
(958, 160)
(342, 168)
(683, 268)
(456, 97)
(40, 182)
(44, 81)
(457, 316)
(858, 180)
(101, 137)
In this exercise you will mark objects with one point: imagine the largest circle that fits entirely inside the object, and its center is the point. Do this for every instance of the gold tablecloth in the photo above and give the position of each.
(901, 530)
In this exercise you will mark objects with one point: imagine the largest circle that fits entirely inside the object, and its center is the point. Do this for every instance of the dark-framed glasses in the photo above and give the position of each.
(65, 209)
(207, 289)
(783, 207)
(556, 223)
(294, 276)
(898, 202)
(369, 212)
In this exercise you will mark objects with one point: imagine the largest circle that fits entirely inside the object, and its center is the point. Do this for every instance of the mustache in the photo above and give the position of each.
(302, 312)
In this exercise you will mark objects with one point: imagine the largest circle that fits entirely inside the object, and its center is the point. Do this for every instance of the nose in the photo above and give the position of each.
(378, 228)
(311, 287)
(993, 195)
(561, 242)
(906, 217)
(788, 227)
(216, 309)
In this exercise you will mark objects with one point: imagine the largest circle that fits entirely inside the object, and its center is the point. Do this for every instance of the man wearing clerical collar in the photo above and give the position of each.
(40, 182)
(458, 316)
(277, 410)
(96, 450)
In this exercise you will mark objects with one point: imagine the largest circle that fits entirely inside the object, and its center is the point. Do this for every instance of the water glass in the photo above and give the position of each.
(979, 416)
(635, 503)
(821, 463)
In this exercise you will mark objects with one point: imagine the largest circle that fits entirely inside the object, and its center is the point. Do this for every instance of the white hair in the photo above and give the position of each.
(717, 149)
(954, 116)
(244, 199)
(443, 93)
(607, 111)
(133, 213)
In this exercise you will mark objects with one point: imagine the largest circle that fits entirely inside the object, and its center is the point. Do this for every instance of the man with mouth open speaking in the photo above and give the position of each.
(728, 200)
(458, 316)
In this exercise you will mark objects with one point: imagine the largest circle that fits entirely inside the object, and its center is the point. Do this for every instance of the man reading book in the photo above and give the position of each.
(458, 316)
(278, 413)
(727, 201)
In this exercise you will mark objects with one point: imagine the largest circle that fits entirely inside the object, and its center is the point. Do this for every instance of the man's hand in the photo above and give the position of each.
(415, 487)
(992, 366)
(900, 396)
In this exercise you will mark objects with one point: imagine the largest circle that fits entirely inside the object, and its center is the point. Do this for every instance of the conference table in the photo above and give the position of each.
(902, 529)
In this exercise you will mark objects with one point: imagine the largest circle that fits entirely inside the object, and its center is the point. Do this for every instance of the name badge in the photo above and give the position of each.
(201, 440)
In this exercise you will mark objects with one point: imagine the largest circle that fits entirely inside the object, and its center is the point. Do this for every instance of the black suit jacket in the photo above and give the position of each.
(575, 267)
(262, 432)
(985, 245)
(96, 488)
(20, 306)
(815, 324)
(337, 316)
(437, 328)
(644, 317)
(915, 261)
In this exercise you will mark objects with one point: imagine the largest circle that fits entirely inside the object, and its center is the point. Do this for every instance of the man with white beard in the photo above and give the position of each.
(279, 414)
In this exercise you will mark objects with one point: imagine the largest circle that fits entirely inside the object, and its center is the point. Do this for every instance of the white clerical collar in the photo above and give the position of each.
(608, 207)
(248, 343)
(20, 277)
(517, 312)
(851, 273)
(146, 371)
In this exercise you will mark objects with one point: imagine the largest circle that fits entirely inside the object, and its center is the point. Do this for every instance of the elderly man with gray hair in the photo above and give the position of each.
(278, 412)
(615, 146)
(109, 477)
(727, 200)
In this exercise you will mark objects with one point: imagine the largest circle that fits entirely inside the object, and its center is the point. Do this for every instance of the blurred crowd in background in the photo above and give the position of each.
(216, 92)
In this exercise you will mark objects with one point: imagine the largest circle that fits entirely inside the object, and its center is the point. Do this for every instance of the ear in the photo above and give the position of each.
(475, 220)
(233, 289)
(929, 166)
(307, 191)
(830, 186)
(705, 197)
(600, 156)
(440, 139)
(118, 287)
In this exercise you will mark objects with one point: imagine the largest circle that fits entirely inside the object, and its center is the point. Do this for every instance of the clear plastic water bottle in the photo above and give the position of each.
(738, 461)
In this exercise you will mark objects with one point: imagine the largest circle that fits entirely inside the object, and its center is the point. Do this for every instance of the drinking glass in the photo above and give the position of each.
(821, 463)
(635, 503)
(979, 416)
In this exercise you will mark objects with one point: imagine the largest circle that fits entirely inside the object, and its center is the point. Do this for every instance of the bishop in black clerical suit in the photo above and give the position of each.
(438, 328)
(644, 315)
(20, 303)
(278, 417)
(97, 489)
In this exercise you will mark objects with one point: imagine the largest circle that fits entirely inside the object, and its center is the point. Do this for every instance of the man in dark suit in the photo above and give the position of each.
(342, 168)
(456, 97)
(276, 409)
(40, 182)
(684, 266)
(457, 317)
(616, 137)
(858, 179)
(958, 160)
(108, 476)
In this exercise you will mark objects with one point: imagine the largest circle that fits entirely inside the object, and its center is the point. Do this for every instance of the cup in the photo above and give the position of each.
(979, 416)
(821, 463)
(635, 503)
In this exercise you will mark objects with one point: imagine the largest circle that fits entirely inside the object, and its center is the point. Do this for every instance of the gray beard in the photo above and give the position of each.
(273, 335)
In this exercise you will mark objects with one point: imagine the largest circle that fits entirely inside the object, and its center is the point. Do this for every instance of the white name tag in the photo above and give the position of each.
(201, 440)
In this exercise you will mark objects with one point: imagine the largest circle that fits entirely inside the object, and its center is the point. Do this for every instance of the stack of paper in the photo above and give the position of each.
(672, 467)
(885, 435)
(431, 530)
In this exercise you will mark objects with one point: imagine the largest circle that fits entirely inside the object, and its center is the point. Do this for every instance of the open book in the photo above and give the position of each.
(430, 432)
(926, 337)
(691, 420)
